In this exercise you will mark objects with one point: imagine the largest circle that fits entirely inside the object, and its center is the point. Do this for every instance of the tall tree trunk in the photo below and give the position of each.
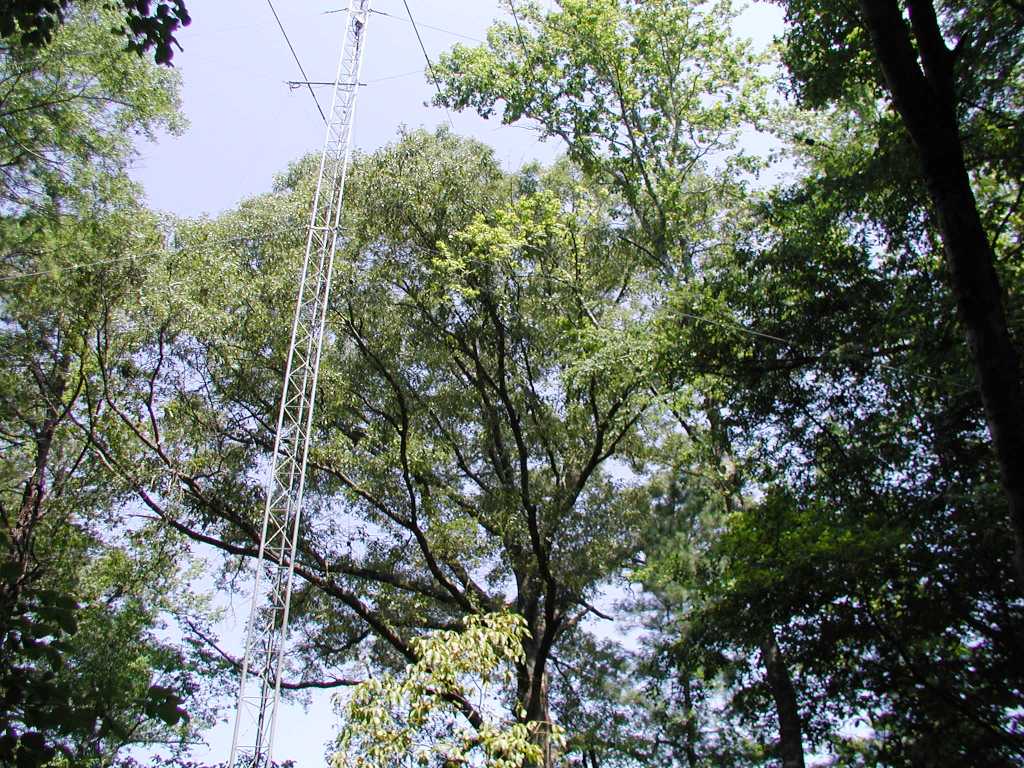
(19, 554)
(30, 510)
(924, 97)
(791, 745)
(692, 733)
(21, 531)
(533, 698)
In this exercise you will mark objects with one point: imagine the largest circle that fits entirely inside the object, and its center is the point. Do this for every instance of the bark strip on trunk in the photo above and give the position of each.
(30, 509)
(533, 697)
(791, 745)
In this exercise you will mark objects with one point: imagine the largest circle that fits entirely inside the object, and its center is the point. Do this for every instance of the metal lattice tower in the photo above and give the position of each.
(267, 631)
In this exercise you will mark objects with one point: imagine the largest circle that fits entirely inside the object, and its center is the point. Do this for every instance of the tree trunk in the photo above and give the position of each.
(22, 532)
(533, 698)
(924, 97)
(791, 747)
(692, 733)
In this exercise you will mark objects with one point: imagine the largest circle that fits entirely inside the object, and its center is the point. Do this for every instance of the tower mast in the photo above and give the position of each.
(259, 688)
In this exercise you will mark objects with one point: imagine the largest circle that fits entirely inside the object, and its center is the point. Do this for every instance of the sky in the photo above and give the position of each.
(247, 124)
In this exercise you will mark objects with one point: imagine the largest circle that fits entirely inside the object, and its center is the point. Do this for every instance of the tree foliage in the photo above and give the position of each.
(70, 113)
(32, 24)
(811, 363)
(951, 75)
(649, 98)
(634, 459)
(463, 451)
(86, 590)
(418, 713)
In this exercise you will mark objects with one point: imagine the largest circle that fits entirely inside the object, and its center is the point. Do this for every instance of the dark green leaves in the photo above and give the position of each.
(145, 25)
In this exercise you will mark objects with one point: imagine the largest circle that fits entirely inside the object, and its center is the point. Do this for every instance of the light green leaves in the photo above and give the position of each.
(645, 96)
(71, 111)
(422, 713)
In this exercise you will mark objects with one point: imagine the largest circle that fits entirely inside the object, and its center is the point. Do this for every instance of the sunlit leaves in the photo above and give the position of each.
(70, 113)
(418, 714)
(645, 96)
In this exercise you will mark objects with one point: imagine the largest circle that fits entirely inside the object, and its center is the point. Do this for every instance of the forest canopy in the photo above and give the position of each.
(649, 456)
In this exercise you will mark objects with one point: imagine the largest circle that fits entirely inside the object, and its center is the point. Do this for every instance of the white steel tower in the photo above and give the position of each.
(259, 690)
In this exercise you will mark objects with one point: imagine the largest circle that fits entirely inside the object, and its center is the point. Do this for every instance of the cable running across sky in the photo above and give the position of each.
(295, 56)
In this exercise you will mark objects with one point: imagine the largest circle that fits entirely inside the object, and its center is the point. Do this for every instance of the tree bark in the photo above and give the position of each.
(533, 698)
(924, 96)
(30, 510)
(20, 546)
(692, 734)
(791, 746)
